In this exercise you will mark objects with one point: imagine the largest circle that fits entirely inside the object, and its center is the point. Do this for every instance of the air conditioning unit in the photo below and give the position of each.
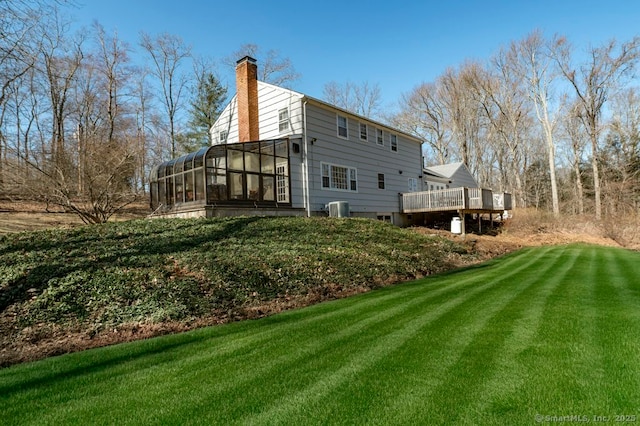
(338, 209)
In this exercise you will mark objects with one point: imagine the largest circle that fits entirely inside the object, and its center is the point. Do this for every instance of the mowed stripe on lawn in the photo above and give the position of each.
(549, 331)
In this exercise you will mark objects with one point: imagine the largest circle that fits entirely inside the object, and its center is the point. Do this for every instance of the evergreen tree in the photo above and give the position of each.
(206, 106)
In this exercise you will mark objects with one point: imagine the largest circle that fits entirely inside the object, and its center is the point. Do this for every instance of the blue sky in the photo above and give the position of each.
(396, 44)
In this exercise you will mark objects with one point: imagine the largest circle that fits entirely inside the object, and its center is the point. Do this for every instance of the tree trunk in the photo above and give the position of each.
(596, 173)
(579, 188)
(554, 183)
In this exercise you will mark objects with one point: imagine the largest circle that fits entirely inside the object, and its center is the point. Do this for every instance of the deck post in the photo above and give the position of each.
(462, 222)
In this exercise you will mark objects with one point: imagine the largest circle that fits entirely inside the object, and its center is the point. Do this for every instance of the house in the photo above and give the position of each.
(452, 193)
(280, 152)
(434, 181)
(452, 175)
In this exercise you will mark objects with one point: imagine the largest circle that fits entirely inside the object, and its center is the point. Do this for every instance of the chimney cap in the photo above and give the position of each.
(246, 58)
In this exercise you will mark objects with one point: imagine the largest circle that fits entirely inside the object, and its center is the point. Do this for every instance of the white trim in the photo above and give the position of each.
(283, 122)
(352, 176)
(305, 162)
(380, 140)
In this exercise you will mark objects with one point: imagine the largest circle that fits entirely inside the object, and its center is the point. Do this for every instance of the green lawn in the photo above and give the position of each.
(551, 331)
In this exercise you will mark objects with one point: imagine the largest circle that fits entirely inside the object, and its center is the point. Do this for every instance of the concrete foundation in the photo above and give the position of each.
(211, 211)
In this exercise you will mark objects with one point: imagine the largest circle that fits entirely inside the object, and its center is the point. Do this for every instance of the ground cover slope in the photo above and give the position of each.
(67, 289)
(535, 336)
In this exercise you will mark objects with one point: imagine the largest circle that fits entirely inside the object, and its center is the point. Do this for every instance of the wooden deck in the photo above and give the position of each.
(464, 200)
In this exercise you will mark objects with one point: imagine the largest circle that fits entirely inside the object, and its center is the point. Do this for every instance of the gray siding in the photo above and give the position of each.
(462, 178)
(432, 183)
(367, 157)
(325, 146)
(456, 172)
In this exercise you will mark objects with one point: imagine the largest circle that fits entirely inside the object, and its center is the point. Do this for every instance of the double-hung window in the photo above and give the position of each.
(283, 120)
(380, 180)
(413, 185)
(222, 136)
(379, 137)
(343, 129)
(339, 178)
(393, 140)
(363, 132)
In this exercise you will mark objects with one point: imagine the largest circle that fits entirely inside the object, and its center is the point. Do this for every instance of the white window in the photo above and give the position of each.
(283, 120)
(385, 217)
(222, 136)
(343, 130)
(413, 185)
(379, 137)
(380, 180)
(339, 178)
(393, 139)
(363, 132)
(282, 184)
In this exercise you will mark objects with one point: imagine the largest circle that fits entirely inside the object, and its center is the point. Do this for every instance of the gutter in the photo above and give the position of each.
(305, 162)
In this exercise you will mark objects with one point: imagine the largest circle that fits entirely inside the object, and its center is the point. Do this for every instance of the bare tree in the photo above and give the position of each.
(273, 68)
(501, 96)
(423, 113)
(577, 138)
(85, 162)
(107, 183)
(593, 82)
(621, 154)
(114, 66)
(463, 108)
(363, 99)
(532, 60)
(19, 45)
(61, 59)
(168, 53)
(143, 113)
(19, 37)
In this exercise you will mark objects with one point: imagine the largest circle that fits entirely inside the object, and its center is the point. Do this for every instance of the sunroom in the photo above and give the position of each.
(249, 174)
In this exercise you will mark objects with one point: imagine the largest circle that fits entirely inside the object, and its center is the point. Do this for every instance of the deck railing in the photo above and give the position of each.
(480, 199)
(502, 201)
(445, 199)
(455, 199)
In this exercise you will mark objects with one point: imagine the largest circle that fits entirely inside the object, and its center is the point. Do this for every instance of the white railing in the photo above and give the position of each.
(502, 201)
(455, 199)
(445, 199)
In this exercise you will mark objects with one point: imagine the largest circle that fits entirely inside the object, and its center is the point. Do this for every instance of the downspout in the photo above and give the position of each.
(305, 161)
